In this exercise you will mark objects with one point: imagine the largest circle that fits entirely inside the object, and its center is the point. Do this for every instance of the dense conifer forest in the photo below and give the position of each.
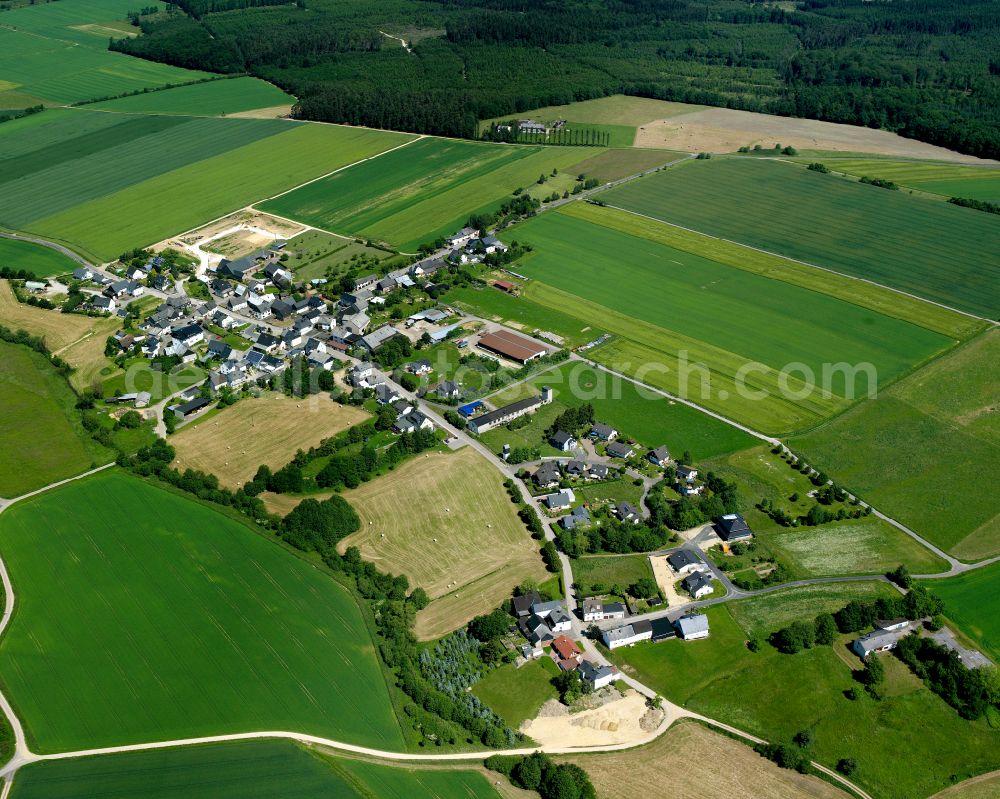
(928, 69)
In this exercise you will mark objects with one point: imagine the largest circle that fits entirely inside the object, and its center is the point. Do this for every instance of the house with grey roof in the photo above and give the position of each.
(627, 634)
(575, 518)
(698, 584)
(682, 562)
(603, 432)
(692, 627)
(732, 527)
(659, 456)
(597, 676)
(616, 449)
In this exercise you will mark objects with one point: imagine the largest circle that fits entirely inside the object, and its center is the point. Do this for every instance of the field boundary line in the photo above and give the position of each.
(941, 305)
(46, 243)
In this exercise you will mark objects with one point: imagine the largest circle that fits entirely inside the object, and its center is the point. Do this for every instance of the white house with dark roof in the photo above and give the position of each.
(659, 457)
(597, 676)
(627, 634)
(603, 432)
(698, 584)
(616, 449)
(684, 562)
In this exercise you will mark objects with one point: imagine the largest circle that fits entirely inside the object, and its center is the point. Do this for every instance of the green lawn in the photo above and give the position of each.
(648, 418)
(175, 621)
(517, 693)
(205, 169)
(422, 191)
(948, 180)
(927, 450)
(58, 53)
(614, 491)
(908, 745)
(40, 261)
(610, 570)
(41, 436)
(214, 98)
(240, 770)
(973, 601)
(935, 250)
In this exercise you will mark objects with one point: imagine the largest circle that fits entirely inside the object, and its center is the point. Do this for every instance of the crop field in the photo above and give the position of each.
(446, 522)
(636, 413)
(263, 430)
(57, 52)
(935, 250)
(420, 192)
(736, 770)
(986, 786)
(236, 771)
(517, 693)
(175, 621)
(40, 261)
(909, 744)
(948, 180)
(973, 602)
(217, 98)
(615, 164)
(939, 427)
(40, 431)
(675, 305)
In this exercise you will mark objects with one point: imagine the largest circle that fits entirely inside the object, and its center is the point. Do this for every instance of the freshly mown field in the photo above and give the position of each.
(948, 180)
(58, 53)
(935, 250)
(41, 437)
(422, 191)
(260, 769)
(857, 546)
(40, 261)
(927, 450)
(672, 307)
(79, 340)
(735, 769)
(973, 602)
(910, 744)
(636, 413)
(175, 621)
(83, 177)
(269, 429)
(216, 98)
(446, 522)
(517, 693)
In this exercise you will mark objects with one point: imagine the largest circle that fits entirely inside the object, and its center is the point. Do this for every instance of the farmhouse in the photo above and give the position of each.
(377, 338)
(627, 634)
(616, 449)
(535, 630)
(530, 126)
(595, 609)
(512, 346)
(487, 421)
(463, 237)
(683, 562)
(523, 603)
(732, 527)
(698, 584)
(597, 676)
(691, 628)
(562, 441)
(603, 432)
(659, 456)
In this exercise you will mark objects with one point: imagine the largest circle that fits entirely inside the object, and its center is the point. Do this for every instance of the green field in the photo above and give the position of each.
(82, 177)
(611, 570)
(926, 450)
(517, 693)
(241, 770)
(58, 53)
(935, 250)
(40, 261)
(617, 164)
(908, 745)
(315, 254)
(41, 436)
(175, 621)
(422, 191)
(214, 98)
(973, 602)
(667, 304)
(637, 414)
(948, 180)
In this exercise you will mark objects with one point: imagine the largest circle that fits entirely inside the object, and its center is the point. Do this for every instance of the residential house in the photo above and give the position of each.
(535, 629)
(106, 304)
(617, 449)
(603, 432)
(875, 641)
(531, 126)
(412, 422)
(365, 282)
(83, 273)
(597, 676)
(597, 471)
(402, 406)
(698, 584)
(546, 475)
(356, 322)
(627, 634)
(562, 441)
(267, 343)
(188, 335)
(683, 562)
(575, 518)
(688, 473)
(282, 310)
(595, 609)
(560, 500)
(659, 457)
(385, 394)
(523, 603)
(447, 389)
(575, 468)
(151, 347)
(385, 285)
(217, 348)
(462, 237)
(565, 653)
(732, 527)
(363, 375)
(422, 367)
(692, 627)
(690, 489)
(627, 512)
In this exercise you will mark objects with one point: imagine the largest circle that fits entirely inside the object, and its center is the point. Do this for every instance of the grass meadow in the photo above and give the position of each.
(616, 164)
(948, 180)
(935, 250)
(926, 450)
(910, 744)
(175, 621)
(420, 192)
(611, 570)
(517, 693)
(41, 436)
(87, 186)
(216, 98)
(239, 770)
(973, 602)
(663, 302)
(446, 522)
(40, 261)
(58, 53)
(313, 254)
